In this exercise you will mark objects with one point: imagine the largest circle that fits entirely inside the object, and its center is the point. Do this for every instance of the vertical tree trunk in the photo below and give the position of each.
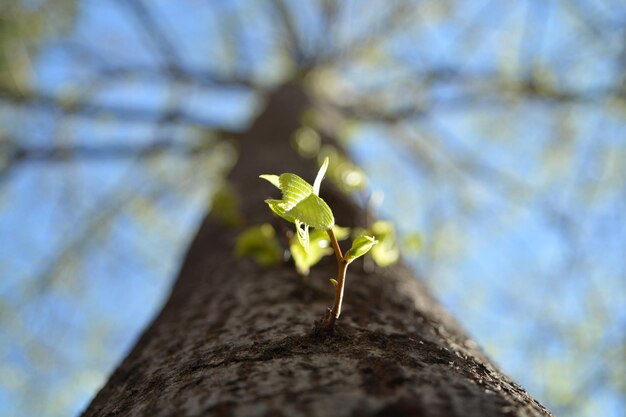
(235, 339)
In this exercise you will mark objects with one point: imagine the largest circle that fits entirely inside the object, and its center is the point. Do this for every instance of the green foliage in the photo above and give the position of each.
(300, 203)
(23, 27)
(360, 246)
(318, 248)
(306, 141)
(386, 252)
(412, 242)
(341, 233)
(225, 206)
(261, 244)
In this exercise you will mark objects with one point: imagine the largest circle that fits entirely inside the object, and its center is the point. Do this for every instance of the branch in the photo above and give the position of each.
(481, 89)
(292, 39)
(65, 153)
(88, 109)
(160, 40)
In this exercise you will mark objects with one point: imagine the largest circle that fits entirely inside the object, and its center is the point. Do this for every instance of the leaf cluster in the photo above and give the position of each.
(301, 205)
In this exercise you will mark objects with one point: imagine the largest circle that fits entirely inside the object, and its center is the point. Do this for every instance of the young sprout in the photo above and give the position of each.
(302, 205)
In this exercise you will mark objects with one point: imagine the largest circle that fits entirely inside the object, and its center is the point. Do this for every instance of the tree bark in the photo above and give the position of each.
(236, 339)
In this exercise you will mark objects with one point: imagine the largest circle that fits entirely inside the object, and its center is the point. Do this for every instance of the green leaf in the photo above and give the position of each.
(272, 179)
(318, 248)
(387, 251)
(313, 211)
(320, 177)
(360, 246)
(341, 233)
(260, 243)
(294, 189)
(343, 173)
(334, 282)
(306, 141)
(300, 203)
(302, 231)
(225, 206)
(413, 242)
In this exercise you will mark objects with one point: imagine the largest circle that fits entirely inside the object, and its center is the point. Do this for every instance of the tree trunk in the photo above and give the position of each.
(236, 339)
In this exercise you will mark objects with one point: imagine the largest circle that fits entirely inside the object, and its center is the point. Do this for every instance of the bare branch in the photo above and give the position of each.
(292, 40)
(160, 40)
(71, 153)
(93, 110)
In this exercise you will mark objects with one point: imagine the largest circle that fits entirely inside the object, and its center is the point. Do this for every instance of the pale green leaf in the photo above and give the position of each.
(334, 282)
(273, 179)
(341, 233)
(384, 254)
(383, 228)
(313, 211)
(318, 248)
(294, 190)
(412, 242)
(387, 251)
(320, 177)
(260, 243)
(302, 231)
(306, 141)
(276, 207)
(225, 206)
(343, 173)
(360, 246)
(300, 203)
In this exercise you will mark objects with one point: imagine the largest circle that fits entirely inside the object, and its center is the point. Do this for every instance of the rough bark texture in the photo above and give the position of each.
(235, 339)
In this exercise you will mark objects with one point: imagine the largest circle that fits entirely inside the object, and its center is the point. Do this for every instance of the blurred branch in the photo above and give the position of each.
(291, 36)
(71, 153)
(206, 77)
(391, 20)
(200, 77)
(231, 28)
(160, 39)
(486, 89)
(329, 12)
(88, 109)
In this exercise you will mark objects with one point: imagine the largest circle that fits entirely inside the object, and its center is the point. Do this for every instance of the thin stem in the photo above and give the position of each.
(341, 280)
(336, 248)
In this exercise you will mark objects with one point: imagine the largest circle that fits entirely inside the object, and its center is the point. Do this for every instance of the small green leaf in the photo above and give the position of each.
(341, 233)
(412, 242)
(334, 282)
(260, 243)
(386, 252)
(300, 203)
(343, 173)
(306, 141)
(313, 211)
(225, 206)
(318, 248)
(360, 246)
(273, 179)
(320, 177)
(302, 231)
(294, 189)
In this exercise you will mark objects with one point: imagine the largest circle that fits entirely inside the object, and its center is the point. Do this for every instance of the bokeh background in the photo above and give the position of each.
(496, 130)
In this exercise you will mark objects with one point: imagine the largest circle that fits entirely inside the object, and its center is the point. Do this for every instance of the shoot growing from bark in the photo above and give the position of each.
(302, 205)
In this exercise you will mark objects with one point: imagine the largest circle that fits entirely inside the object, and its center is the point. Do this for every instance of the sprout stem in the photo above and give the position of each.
(331, 317)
